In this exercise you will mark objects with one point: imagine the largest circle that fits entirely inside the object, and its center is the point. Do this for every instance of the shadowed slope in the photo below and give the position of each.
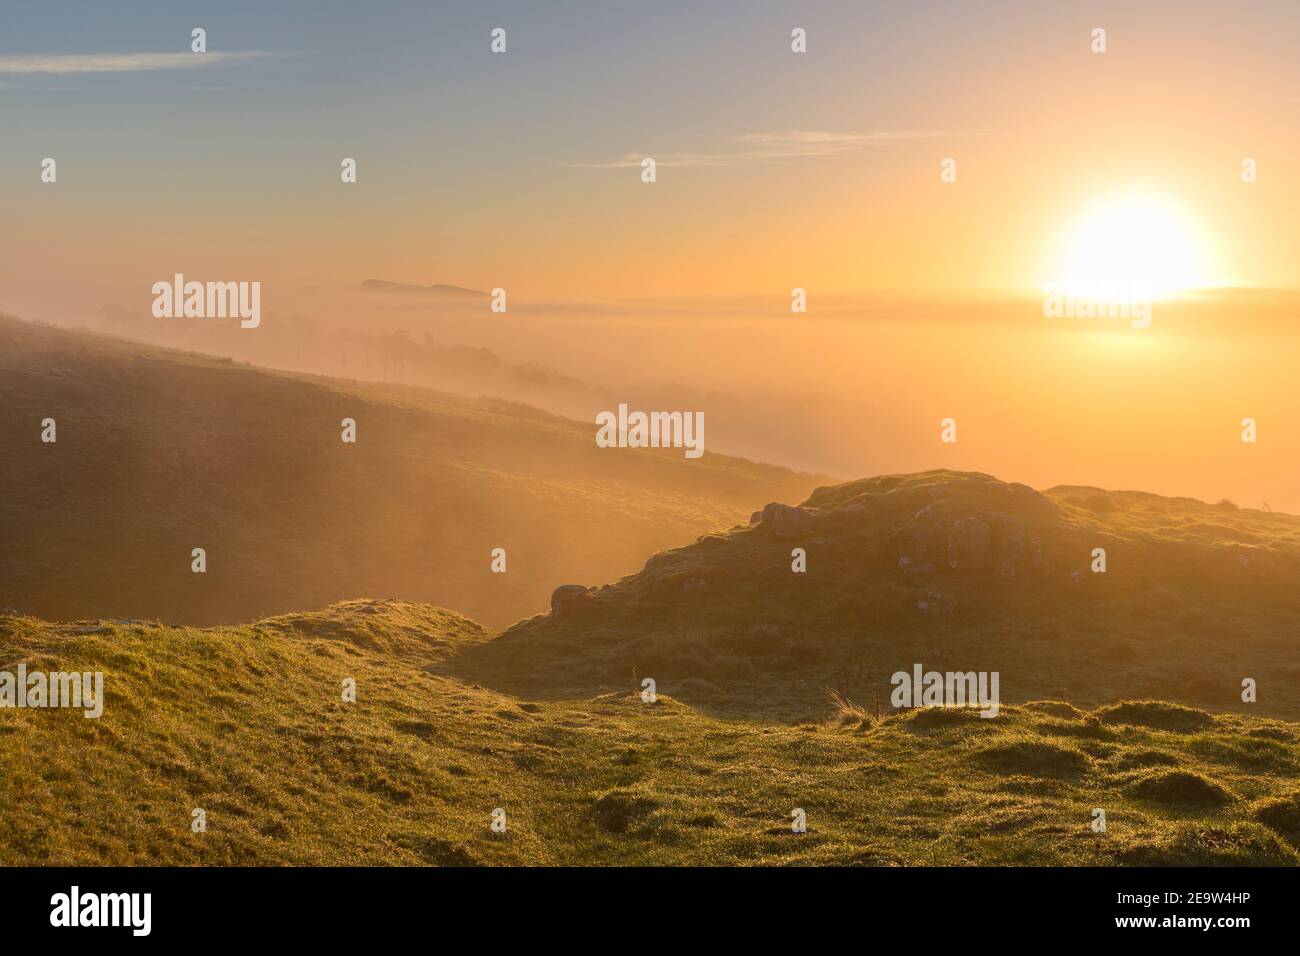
(161, 452)
(954, 571)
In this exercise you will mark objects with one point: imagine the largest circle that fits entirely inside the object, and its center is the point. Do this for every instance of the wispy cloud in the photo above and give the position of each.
(781, 144)
(794, 142)
(661, 159)
(65, 63)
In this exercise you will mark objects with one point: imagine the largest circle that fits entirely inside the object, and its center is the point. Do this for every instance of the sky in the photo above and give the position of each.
(521, 170)
(820, 171)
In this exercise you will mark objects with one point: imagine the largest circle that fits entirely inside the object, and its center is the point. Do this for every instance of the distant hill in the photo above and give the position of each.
(297, 343)
(160, 452)
(437, 291)
(956, 571)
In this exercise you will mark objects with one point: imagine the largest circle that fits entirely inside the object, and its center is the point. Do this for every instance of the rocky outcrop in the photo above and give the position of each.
(964, 538)
(570, 599)
(784, 521)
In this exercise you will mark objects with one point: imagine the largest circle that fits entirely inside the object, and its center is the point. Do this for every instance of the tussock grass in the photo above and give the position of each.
(1235, 844)
(1154, 713)
(1180, 788)
(1035, 757)
(617, 810)
(1134, 759)
(847, 712)
(1281, 814)
(1056, 708)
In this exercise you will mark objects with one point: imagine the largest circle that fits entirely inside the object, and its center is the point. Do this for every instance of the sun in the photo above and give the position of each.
(1135, 242)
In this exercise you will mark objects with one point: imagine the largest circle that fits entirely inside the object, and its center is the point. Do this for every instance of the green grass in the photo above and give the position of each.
(247, 723)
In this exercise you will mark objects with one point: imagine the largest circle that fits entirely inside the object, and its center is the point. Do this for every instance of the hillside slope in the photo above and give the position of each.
(160, 452)
(248, 725)
(951, 570)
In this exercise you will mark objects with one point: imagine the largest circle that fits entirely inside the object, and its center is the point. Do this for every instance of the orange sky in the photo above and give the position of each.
(776, 170)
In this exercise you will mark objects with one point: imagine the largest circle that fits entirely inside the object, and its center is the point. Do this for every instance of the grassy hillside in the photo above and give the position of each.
(160, 452)
(956, 572)
(247, 724)
(1120, 690)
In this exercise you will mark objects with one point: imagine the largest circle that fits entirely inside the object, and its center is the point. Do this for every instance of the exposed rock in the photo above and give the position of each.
(570, 599)
(959, 537)
(784, 521)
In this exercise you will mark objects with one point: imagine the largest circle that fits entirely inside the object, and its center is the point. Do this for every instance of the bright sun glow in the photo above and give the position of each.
(1136, 242)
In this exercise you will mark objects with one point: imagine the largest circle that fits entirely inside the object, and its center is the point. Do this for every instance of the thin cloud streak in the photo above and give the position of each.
(68, 63)
(781, 144)
(662, 159)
